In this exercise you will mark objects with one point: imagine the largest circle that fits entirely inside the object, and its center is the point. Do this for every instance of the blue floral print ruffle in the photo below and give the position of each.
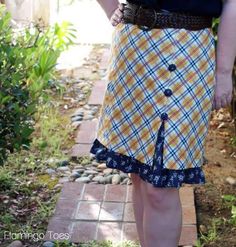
(157, 177)
(155, 174)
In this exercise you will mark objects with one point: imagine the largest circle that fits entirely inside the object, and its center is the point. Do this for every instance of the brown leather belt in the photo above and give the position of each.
(148, 18)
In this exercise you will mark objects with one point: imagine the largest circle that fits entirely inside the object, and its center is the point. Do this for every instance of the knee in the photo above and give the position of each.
(155, 195)
(160, 197)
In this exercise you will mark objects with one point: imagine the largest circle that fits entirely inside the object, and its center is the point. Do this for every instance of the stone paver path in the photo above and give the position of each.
(87, 130)
(105, 212)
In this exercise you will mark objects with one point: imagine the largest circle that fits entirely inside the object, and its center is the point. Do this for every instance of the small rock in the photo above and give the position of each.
(77, 118)
(78, 112)
(67, 173)
(63, 163)
(58, 186)
(82, 180)
(94, 110)
(125, 181)
(63, 180)
(90, 172)
(94, 162)
(51, 161)
(102, 180)
(94, 182)
(129, 182)
(50, 171)
(116, 179)
(86, 107)
(231, 180)
(108, 171)
(94, 165)
(48, 244)
(108, 178)
(89, 111)
(98, 178)
(88, 117)
(217, 163)
(92, 156)
(221, 125)
(95, 169)
(63, 168)
(102, 166)
(81, 97)
(80, 170)
(123, 175)
(75, 174)
(90, 176)
(203, 229)
(84, 175)
(53, 177)
(16, 243)
(76, 124)
(82, 84)
(79, 167)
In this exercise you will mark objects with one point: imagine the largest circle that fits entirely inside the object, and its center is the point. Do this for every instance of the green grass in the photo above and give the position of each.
(93, 243)
(213, 234)
(53, 132)
(29, 197)
(230, 202)
(84, 160)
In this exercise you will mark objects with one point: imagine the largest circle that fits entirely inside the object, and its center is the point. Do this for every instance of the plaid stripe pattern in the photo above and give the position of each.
(142, 67)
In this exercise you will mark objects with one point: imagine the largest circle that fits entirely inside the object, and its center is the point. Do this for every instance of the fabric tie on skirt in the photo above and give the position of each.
(158, 156)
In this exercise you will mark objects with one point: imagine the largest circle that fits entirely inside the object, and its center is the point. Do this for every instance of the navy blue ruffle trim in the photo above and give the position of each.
(158, 178)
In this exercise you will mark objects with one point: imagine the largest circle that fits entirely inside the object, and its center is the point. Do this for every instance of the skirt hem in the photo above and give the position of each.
(163, 178)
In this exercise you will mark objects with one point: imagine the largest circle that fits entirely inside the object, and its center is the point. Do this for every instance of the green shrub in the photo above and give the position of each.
(6, 180)
(28, 60)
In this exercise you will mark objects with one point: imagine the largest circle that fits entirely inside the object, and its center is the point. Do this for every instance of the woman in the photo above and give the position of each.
(163, 83)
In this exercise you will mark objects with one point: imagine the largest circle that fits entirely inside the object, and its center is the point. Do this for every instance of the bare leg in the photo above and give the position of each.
(138, 205)
(162, 219)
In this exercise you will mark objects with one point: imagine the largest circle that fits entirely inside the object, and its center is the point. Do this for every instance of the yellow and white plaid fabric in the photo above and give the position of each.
(155, 76)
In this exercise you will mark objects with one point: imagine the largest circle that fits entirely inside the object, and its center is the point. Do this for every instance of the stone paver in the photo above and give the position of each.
(80, 150)
(105, 212)
(97, 95)
(105, 59)
(87, 132)
(84, 138)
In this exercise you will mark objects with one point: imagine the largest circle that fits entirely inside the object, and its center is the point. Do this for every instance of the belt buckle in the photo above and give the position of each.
(146, 28)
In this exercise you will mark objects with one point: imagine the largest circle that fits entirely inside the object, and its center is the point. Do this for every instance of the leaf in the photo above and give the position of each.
(229, 198)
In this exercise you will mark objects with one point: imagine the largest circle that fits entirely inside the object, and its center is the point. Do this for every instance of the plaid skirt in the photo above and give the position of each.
(156, 110)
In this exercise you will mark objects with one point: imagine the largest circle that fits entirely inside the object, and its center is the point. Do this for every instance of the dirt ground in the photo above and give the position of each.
(220, 165)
